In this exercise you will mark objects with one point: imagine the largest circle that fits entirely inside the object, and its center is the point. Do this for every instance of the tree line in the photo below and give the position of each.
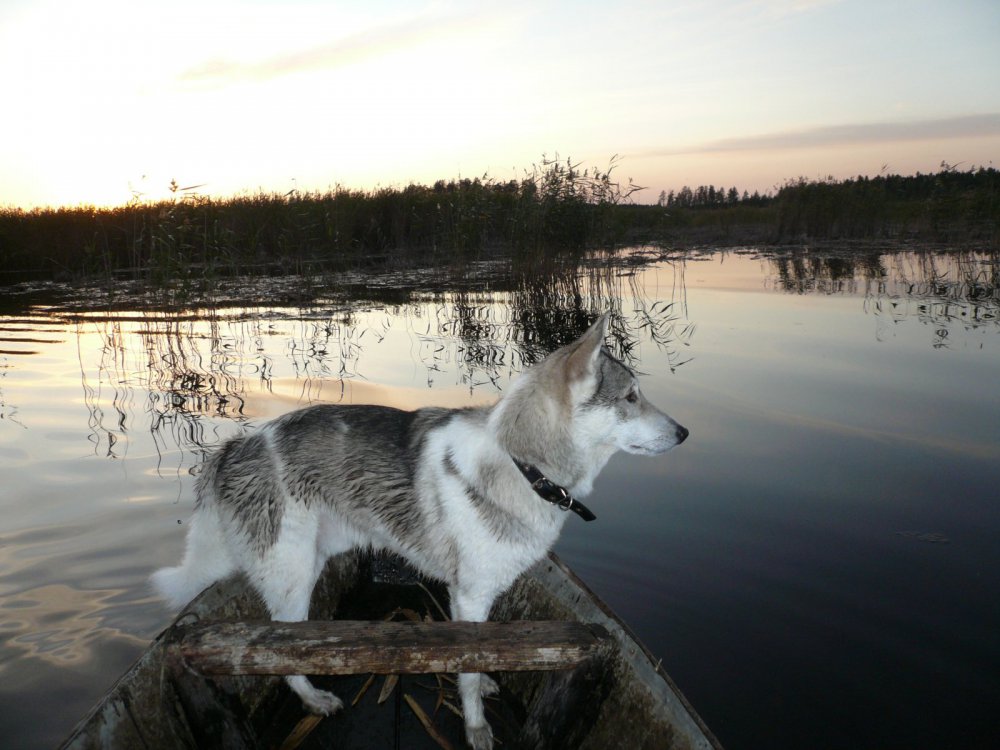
(950, 180)
(951, 205)
(709, 196)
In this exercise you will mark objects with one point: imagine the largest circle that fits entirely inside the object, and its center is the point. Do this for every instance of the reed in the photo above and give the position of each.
(558, 206)
(191, 238)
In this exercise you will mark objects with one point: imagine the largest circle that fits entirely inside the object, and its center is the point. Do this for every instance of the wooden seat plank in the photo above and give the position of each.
(342, 647)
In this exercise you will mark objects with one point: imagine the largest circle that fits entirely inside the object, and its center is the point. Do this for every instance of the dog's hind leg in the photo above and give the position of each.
(473, 606)
(285, 578)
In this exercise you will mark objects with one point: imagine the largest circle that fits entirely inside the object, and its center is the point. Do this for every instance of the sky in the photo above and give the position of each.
(105, 100)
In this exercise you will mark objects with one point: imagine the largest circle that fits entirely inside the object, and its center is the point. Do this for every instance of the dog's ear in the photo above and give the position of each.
(587, 349)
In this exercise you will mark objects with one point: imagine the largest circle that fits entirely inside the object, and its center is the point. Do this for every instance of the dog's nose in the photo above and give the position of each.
(682, 433)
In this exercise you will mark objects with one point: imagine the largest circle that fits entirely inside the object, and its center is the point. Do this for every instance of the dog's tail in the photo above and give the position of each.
(207, 557)
(206, 560)
(175, 585)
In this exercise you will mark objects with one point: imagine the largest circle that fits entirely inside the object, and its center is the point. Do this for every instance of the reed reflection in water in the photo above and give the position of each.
(231, 364)
(768, 358)
(943, 291)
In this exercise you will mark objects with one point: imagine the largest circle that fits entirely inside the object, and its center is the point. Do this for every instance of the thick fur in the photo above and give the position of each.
(437, 486)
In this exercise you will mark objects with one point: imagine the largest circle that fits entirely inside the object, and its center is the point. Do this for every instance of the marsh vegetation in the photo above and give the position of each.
(556, 206)
(559, 207)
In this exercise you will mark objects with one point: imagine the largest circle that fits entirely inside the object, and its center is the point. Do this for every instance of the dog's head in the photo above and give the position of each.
(580, 403)
(608, 402)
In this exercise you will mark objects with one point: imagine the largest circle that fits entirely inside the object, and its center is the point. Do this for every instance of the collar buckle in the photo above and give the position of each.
(553, 493)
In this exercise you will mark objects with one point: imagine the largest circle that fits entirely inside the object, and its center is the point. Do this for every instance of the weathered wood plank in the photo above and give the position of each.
(355, 647)
(214, 715)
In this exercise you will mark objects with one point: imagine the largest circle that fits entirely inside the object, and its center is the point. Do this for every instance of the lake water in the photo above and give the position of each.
(818, 565)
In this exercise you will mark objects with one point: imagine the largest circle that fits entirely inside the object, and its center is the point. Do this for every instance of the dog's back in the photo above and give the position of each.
(359, 461)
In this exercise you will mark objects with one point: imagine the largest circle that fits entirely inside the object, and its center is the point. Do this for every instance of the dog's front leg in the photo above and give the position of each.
(473, 607)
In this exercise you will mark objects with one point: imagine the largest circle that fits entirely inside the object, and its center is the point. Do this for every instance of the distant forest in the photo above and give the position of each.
(709, 196)
(918, 187)
(952, 205)
(556, 208)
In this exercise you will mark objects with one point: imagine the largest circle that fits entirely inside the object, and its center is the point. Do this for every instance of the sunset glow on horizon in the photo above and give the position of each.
(111, 100)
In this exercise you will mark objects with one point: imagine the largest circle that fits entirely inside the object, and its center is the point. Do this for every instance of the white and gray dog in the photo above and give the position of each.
(451, 490)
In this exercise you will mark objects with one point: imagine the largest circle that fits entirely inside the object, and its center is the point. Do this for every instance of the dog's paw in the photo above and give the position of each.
(479, 738)
(322, 702)
(488, 686)
(315, 701)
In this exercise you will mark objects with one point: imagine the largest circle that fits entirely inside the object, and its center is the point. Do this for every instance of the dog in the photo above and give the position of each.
(473, 496)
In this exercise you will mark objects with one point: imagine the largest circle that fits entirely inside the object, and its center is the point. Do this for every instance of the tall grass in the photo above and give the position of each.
(555, 206)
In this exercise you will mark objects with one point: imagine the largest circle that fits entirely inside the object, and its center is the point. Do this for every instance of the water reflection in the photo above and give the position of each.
(62, 597)
(167, 371)
(58, 624)
(8, 412)
(944, 291)
(178, 375)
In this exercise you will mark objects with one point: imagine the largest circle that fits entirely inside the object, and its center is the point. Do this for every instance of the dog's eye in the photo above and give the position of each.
(632, 396)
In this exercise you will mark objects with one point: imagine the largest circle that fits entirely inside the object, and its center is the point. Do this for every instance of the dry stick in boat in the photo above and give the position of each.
(440, 609)
(387, 687)
(302, 730)
(364, 689)
(428, 724)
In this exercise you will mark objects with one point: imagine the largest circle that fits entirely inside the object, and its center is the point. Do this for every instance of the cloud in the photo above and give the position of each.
(347, 50)
(969, 126)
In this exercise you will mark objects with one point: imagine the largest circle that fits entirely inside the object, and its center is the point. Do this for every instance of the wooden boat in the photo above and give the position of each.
(616, 695)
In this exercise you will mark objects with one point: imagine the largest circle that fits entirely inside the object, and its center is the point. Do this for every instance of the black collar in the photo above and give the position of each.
(552, 492)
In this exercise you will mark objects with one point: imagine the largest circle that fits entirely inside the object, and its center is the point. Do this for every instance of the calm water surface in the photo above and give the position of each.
(818, 565)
